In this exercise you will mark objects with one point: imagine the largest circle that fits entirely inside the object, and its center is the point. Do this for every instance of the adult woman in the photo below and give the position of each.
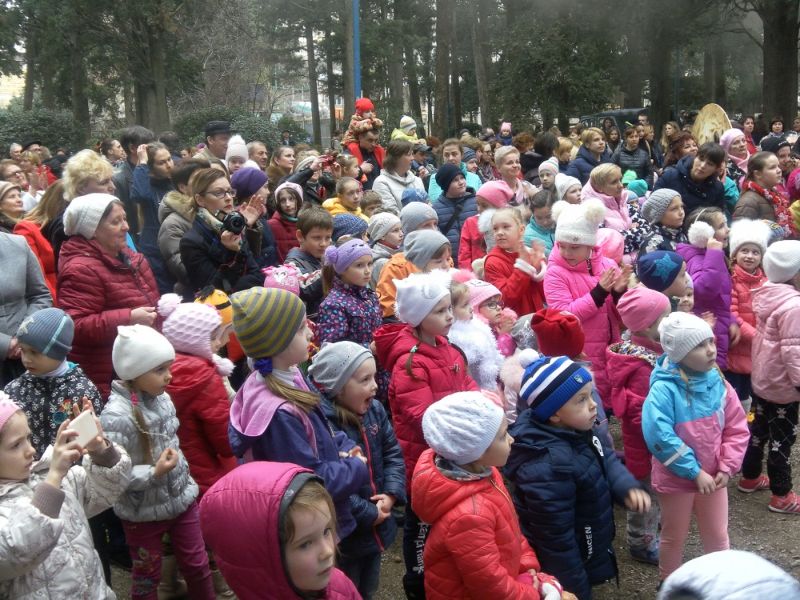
(695, 178)
(591, 153)
(605, 184)
(630, 156)
(506, 159)
(735, 144)
(760, 198)
(748, 125)
(668, 133)
(396, 175)
(280, 166)
(112, 151)
(486, 170)
(613, 139)
(656, 155)
(683, 144)
(452, 153)
(102, 283)
(776, 127)
(11, 209)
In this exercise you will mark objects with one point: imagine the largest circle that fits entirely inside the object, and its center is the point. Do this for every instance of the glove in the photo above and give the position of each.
(549, 587)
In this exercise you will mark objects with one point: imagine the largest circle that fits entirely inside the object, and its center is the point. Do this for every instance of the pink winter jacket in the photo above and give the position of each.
(617, 215)
(567, 288)
(739, 356)
(776, 345)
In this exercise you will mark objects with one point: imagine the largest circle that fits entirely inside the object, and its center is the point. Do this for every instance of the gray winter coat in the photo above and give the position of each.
(176, 219)
(148, 498)
(391, 187)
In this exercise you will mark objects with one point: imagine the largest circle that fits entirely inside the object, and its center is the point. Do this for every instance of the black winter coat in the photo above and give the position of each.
(582, 165)
(637, 160)
(710, 192)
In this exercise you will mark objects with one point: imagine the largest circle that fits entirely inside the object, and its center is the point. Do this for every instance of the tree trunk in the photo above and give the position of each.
(414, 100)
(127, 98)
(158, 58)
(480, 44)
(312, 85)
(347, 63)
(660, 68)
(720, 94)
(444, 12)
(31, 71)
(455, 85)
(79, 82)
(780, 56)
(330, 76)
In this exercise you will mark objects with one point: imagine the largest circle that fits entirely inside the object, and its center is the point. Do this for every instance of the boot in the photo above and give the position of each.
(172, 585)
(221, 587)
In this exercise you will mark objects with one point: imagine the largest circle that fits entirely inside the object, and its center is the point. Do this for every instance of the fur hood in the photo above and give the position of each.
(476, 340)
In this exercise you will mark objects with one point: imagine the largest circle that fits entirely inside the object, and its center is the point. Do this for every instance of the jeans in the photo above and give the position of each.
(415, 532)
(364, 572)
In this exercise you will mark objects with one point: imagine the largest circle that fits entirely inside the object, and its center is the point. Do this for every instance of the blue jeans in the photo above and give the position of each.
(364, 572)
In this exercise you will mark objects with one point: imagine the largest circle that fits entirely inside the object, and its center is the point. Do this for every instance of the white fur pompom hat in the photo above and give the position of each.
(578, 223)
(745, 231)
(699, 234)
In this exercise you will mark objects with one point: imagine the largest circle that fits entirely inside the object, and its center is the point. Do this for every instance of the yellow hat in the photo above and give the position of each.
(266, 319)
(219, 300)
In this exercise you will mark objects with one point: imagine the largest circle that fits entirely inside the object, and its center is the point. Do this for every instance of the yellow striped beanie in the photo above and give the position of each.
(266, 320)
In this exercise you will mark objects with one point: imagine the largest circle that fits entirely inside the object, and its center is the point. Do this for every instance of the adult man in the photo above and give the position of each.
(32, 146)
(369, 154)
(258, 153)
(286, 138)
(14, 151)
(218, 134)
(130, 138)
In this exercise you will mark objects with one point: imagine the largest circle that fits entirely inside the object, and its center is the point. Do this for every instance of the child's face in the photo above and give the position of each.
(702, 357)
(439, 320)
(16, 451)
(492, 310)
(360, 389)
(721, 229)
(686, 302)
(35, 362)
(394, 238)
(443, 262)
(507, 232)
(573, 194)
(497, 453)
(547, 178)
(315, 241)
(287, 203)
(472, 165)
(544, 217)
(748, 257)
(351, 170)
(673, 217)
(429, 224)
(359, 272)
(462, 310)
(350, 196)
(564, 156)
(155, 381)
(579, 413)
(220, 337)
(370, 208)
(457, 187)
(366, 115)
(677, 287)
(311, 552)
(574, 253)
(297, 350)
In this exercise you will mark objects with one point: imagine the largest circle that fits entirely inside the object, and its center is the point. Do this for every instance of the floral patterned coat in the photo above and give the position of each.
(349, 312)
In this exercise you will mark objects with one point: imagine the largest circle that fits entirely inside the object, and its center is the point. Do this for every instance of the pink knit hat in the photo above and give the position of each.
(7, 409)
(496, 193)
(727, 138)
(188, 325)
(639, 307)
(480, 291)
(283, 277)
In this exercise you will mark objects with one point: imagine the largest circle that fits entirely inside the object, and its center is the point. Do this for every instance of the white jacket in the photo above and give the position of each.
(391, 187)
(477, 342)
(53, 557)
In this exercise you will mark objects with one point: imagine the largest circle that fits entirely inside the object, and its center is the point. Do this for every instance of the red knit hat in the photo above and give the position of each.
(364, 105)
(558, 333)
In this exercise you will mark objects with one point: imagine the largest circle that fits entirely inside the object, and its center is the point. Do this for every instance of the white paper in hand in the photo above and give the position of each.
(85, 426)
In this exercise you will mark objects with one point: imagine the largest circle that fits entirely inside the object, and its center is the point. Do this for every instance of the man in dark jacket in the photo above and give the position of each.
(130, 139)
(695, 178)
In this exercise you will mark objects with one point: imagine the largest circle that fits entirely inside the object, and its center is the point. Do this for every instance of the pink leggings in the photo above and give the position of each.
(676, 515)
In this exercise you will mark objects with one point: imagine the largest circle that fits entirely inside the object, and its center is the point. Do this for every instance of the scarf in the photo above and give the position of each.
(779, 201)
(206, 217)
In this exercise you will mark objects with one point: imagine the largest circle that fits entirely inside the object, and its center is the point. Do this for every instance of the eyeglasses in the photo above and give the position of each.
(494, 304)
(220, 194)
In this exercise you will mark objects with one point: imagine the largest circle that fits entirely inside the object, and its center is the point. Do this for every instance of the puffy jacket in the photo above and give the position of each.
(475, 548)
(250, 501)
(534, 233)
(175, 214)
(473, 181)
(391, 186)
(46, 547)
(568, 287)
(712, 291)
(285, 234)
(565, 484)
(692, 421)
(709, 192)
(739, 356)
(660, 237)
(445, 209)
(521, 293)
(617, 216)
(387, 475)
(42, 250)
(311, 292)
(752, 205)
(203, 410)
(335, 207)
(99, 292)
(397, 267)
(472, 244)
(581, 166)
(418, 380)
(349, 312)
(637, 160)
(776, 344)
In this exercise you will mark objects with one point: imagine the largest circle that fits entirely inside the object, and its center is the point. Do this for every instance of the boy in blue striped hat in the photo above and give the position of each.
(565, 479)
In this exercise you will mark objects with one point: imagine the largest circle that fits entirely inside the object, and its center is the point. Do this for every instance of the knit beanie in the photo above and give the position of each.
(745, 231)
(550, 165)
(638, 187)
(220, 301)
(139, 349)
(658, 269)
(461, 427)
(283, 277)
(7, 409)
(563, 183)
(413, 194)
(496, 193)
(550, 382)
(445, 176)
(417, 295)
(628, 177)
(640, 306)
(364, 105)
(505, 125)
(297, 192)
(347, 224)
(782, 261)
(247, 181)
(48, 331)
(266, 320)
(420, 246)
(773, 144)
(380, 225)
(335, 364)
(558, 332)
(305, 163)
(341, 257)
(578, 223)
(415, 214)
(84, 213)
(730, 136)
(479, 292)
(407, 124)
(236, 148)
(188, 325)
(657, 204)
(681, 333)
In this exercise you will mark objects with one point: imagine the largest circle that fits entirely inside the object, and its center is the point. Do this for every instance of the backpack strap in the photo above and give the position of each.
(453, 219)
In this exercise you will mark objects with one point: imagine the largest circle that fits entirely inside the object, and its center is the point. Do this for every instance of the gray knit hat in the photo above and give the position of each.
(380, 225)
(420, 246)
(335, 363)
(657, 204)
(48, 331)
(415, 214)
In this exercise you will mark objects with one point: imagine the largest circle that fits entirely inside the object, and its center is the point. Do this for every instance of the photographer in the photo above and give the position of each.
(312, 173)
(397, 175)
(215, 251)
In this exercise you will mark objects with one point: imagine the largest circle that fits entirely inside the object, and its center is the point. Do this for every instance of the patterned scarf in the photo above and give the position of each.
(780, 202)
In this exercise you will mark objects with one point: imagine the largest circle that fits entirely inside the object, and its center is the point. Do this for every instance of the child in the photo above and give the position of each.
(47, 547)
(475, 548)
(694, 425)
(348, 227)
(275, 415)
(641, 310)
(686, 302)
(347, 200)
(547, 174)
(288, 199)
(565, 479)
(345, 374)
(285, 524)
(664, 214)
(455, 205)
(541, 226)
(385, 233)
(568, 189)
(414, 195)
(663, 271)
(51, 384)
(161, 495)
(363, 120)
(491, 195)
(775, 379)
(487, 305)
(513, 268)
(425, 368)
(314, 231)
(370, 203)
(351, 310)
(586, 284)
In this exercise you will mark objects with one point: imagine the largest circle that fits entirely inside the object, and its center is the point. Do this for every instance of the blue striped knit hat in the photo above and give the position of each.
(549, 382)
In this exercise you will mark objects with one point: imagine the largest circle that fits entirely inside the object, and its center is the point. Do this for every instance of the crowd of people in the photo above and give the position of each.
(238, 371)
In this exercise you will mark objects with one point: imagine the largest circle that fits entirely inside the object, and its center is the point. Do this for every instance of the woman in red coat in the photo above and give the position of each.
(102, 283)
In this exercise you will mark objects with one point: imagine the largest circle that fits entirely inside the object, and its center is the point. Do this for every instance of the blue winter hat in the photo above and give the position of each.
(657, 270)
(468, 155)
(549, 382)
(347, 224)
(49, 331)
(413, 195)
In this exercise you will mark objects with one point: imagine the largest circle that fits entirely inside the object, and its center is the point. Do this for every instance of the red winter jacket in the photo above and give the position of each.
(43, 251)
(99, 292)
(520, 292)
(739, 356)
(285, 234)
(475, 548)
(203, 409)
(472, 245)
(418, 380)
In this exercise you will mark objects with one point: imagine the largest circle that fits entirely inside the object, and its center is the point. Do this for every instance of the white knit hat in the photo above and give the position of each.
(461, 427)
(578, 223)
(236, 148)
(418, 294)
(745, 231)
(681, 333)
(84, 213)
(782, 261)
(139, 349)
(563, 183)
(407, 124)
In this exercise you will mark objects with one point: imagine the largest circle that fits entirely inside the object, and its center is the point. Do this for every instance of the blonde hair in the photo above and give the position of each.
(502, 152)
(201, 180)
(509, 210)
(589, 133)
(311, 496)
(602, 174)
(48, 208)
(344, 181)
(85, 166)
(305, 401)
(458, 291)
(370, 198)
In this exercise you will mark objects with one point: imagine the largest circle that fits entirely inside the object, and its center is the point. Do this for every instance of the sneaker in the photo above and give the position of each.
(788, 504)
(645, 555)
(748, 486)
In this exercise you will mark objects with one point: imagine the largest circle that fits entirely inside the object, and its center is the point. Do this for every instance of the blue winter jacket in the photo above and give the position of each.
(565, 483)
(147, 193)
(581, 166)
(709, 192)
(445, 207)
(473, 181)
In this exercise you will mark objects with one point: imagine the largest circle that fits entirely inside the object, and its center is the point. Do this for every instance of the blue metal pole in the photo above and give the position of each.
(356, 50)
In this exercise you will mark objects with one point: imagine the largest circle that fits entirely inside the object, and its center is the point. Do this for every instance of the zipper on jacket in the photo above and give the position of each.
(371, 482)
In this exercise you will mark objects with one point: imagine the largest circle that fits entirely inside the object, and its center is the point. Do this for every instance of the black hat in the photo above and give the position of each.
(773, 143)
(30, 143)
(215, 127)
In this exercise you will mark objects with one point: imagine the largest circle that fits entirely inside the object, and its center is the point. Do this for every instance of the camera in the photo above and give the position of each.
(234, 222)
